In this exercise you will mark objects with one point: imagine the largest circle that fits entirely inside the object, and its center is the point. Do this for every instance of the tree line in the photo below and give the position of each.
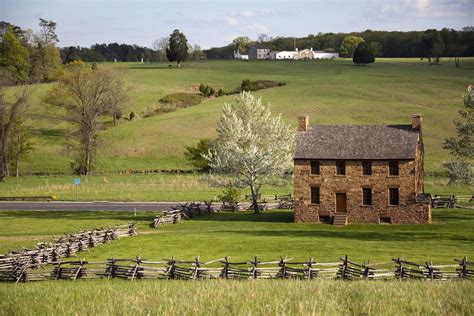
(131, 53)
(449, 42)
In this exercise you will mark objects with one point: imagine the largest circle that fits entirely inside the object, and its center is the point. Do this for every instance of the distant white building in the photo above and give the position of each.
(283, 55)
(303, 54)
(238, 55)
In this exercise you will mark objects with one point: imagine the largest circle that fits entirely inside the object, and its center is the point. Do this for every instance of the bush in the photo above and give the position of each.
(363, 54)
(459, 171)
(220, 93)
(230, 195)
(248, 85)
(181, 100)
(194, 154)
(131, 116)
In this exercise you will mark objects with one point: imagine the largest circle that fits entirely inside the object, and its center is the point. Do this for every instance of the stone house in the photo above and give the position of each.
(259, 52)
(360, 174)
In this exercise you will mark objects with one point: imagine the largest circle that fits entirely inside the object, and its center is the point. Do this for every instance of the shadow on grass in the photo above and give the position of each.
(265, 216)
(369, 235)
(81, 215)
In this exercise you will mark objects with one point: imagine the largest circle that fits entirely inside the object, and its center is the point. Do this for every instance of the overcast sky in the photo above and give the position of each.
(216, 23)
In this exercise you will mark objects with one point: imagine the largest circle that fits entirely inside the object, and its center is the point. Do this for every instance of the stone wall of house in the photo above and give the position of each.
(408, 211)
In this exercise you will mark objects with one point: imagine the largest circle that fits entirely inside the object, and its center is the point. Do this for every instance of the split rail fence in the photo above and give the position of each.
(172, 269)
(33, 264)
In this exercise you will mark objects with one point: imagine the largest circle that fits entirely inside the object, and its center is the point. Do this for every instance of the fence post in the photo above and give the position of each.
(283, 267)
(310, 266)
(464, 267)
(254, 270)
(225, 272)
(344, 268)
(196, 268)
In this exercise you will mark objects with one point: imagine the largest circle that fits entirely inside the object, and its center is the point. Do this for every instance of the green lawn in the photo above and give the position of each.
(244, 235)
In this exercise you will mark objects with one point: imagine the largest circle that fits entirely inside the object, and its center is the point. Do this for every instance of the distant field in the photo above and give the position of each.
(330, 92)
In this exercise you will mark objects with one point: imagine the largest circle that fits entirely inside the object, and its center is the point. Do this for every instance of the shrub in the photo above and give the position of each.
(459, 171)
(181, 100)
(230, 195)
(248, 85)
(363, 54)
(220, 93)
(212, 91)
(131, 116)
(194, 154)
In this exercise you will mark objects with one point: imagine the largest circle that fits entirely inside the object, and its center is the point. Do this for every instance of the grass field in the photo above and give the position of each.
(238, 298)
(330, 92)
(242, 236)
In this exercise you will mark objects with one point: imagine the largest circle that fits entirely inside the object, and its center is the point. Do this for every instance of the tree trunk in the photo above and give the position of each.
(3, 173)
(17, 165)
(254, 192)
(178, 64)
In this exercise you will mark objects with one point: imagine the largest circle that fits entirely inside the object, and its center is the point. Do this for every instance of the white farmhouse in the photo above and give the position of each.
(238, 55)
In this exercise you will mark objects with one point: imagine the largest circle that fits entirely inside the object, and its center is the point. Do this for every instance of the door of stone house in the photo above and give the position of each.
(341, 203)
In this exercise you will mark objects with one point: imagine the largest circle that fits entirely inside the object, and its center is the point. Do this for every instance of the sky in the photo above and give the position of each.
(212, 23)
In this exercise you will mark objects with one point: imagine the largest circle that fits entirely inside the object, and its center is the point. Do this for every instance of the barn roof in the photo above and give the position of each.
(357, 142)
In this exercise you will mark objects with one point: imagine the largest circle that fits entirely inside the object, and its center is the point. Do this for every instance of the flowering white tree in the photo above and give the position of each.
(252, 145)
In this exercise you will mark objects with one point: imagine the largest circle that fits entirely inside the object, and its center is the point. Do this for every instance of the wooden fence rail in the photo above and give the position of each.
(223, 268)
(35, 264)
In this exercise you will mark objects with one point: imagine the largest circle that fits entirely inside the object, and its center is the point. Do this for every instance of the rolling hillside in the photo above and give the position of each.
(330, 92)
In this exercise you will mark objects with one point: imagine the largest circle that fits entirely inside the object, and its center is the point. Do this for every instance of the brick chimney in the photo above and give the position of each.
(416, 120)
(303, 122)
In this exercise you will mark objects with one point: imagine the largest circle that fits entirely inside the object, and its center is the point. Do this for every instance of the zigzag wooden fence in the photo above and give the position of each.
(172, 269)
(15, 264)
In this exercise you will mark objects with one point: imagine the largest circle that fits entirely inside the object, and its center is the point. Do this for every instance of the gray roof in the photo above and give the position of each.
(357, 142)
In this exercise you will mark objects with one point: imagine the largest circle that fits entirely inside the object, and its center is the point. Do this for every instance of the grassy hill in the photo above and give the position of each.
(330, 92)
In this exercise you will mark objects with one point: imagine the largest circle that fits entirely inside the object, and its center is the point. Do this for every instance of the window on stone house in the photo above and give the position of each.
(394, 196)
(366, 196)
(393, 167)
(340, 167)
(315, 167)
(315, 195)
(366, 168)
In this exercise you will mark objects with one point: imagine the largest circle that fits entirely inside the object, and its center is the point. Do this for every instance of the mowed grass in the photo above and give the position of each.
(330, 92)
(278, 297)
(243, 235)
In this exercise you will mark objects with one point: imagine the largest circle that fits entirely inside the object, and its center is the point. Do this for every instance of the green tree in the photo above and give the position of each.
(20, 145)
(12, 109)
(13, 55)
(432, 46)
(349, 45)
(178, 48)
(461, 147)
(86, 95)
(363, 54)
(242, 43)
(376, 49)
(195, 154)
(45, 55)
